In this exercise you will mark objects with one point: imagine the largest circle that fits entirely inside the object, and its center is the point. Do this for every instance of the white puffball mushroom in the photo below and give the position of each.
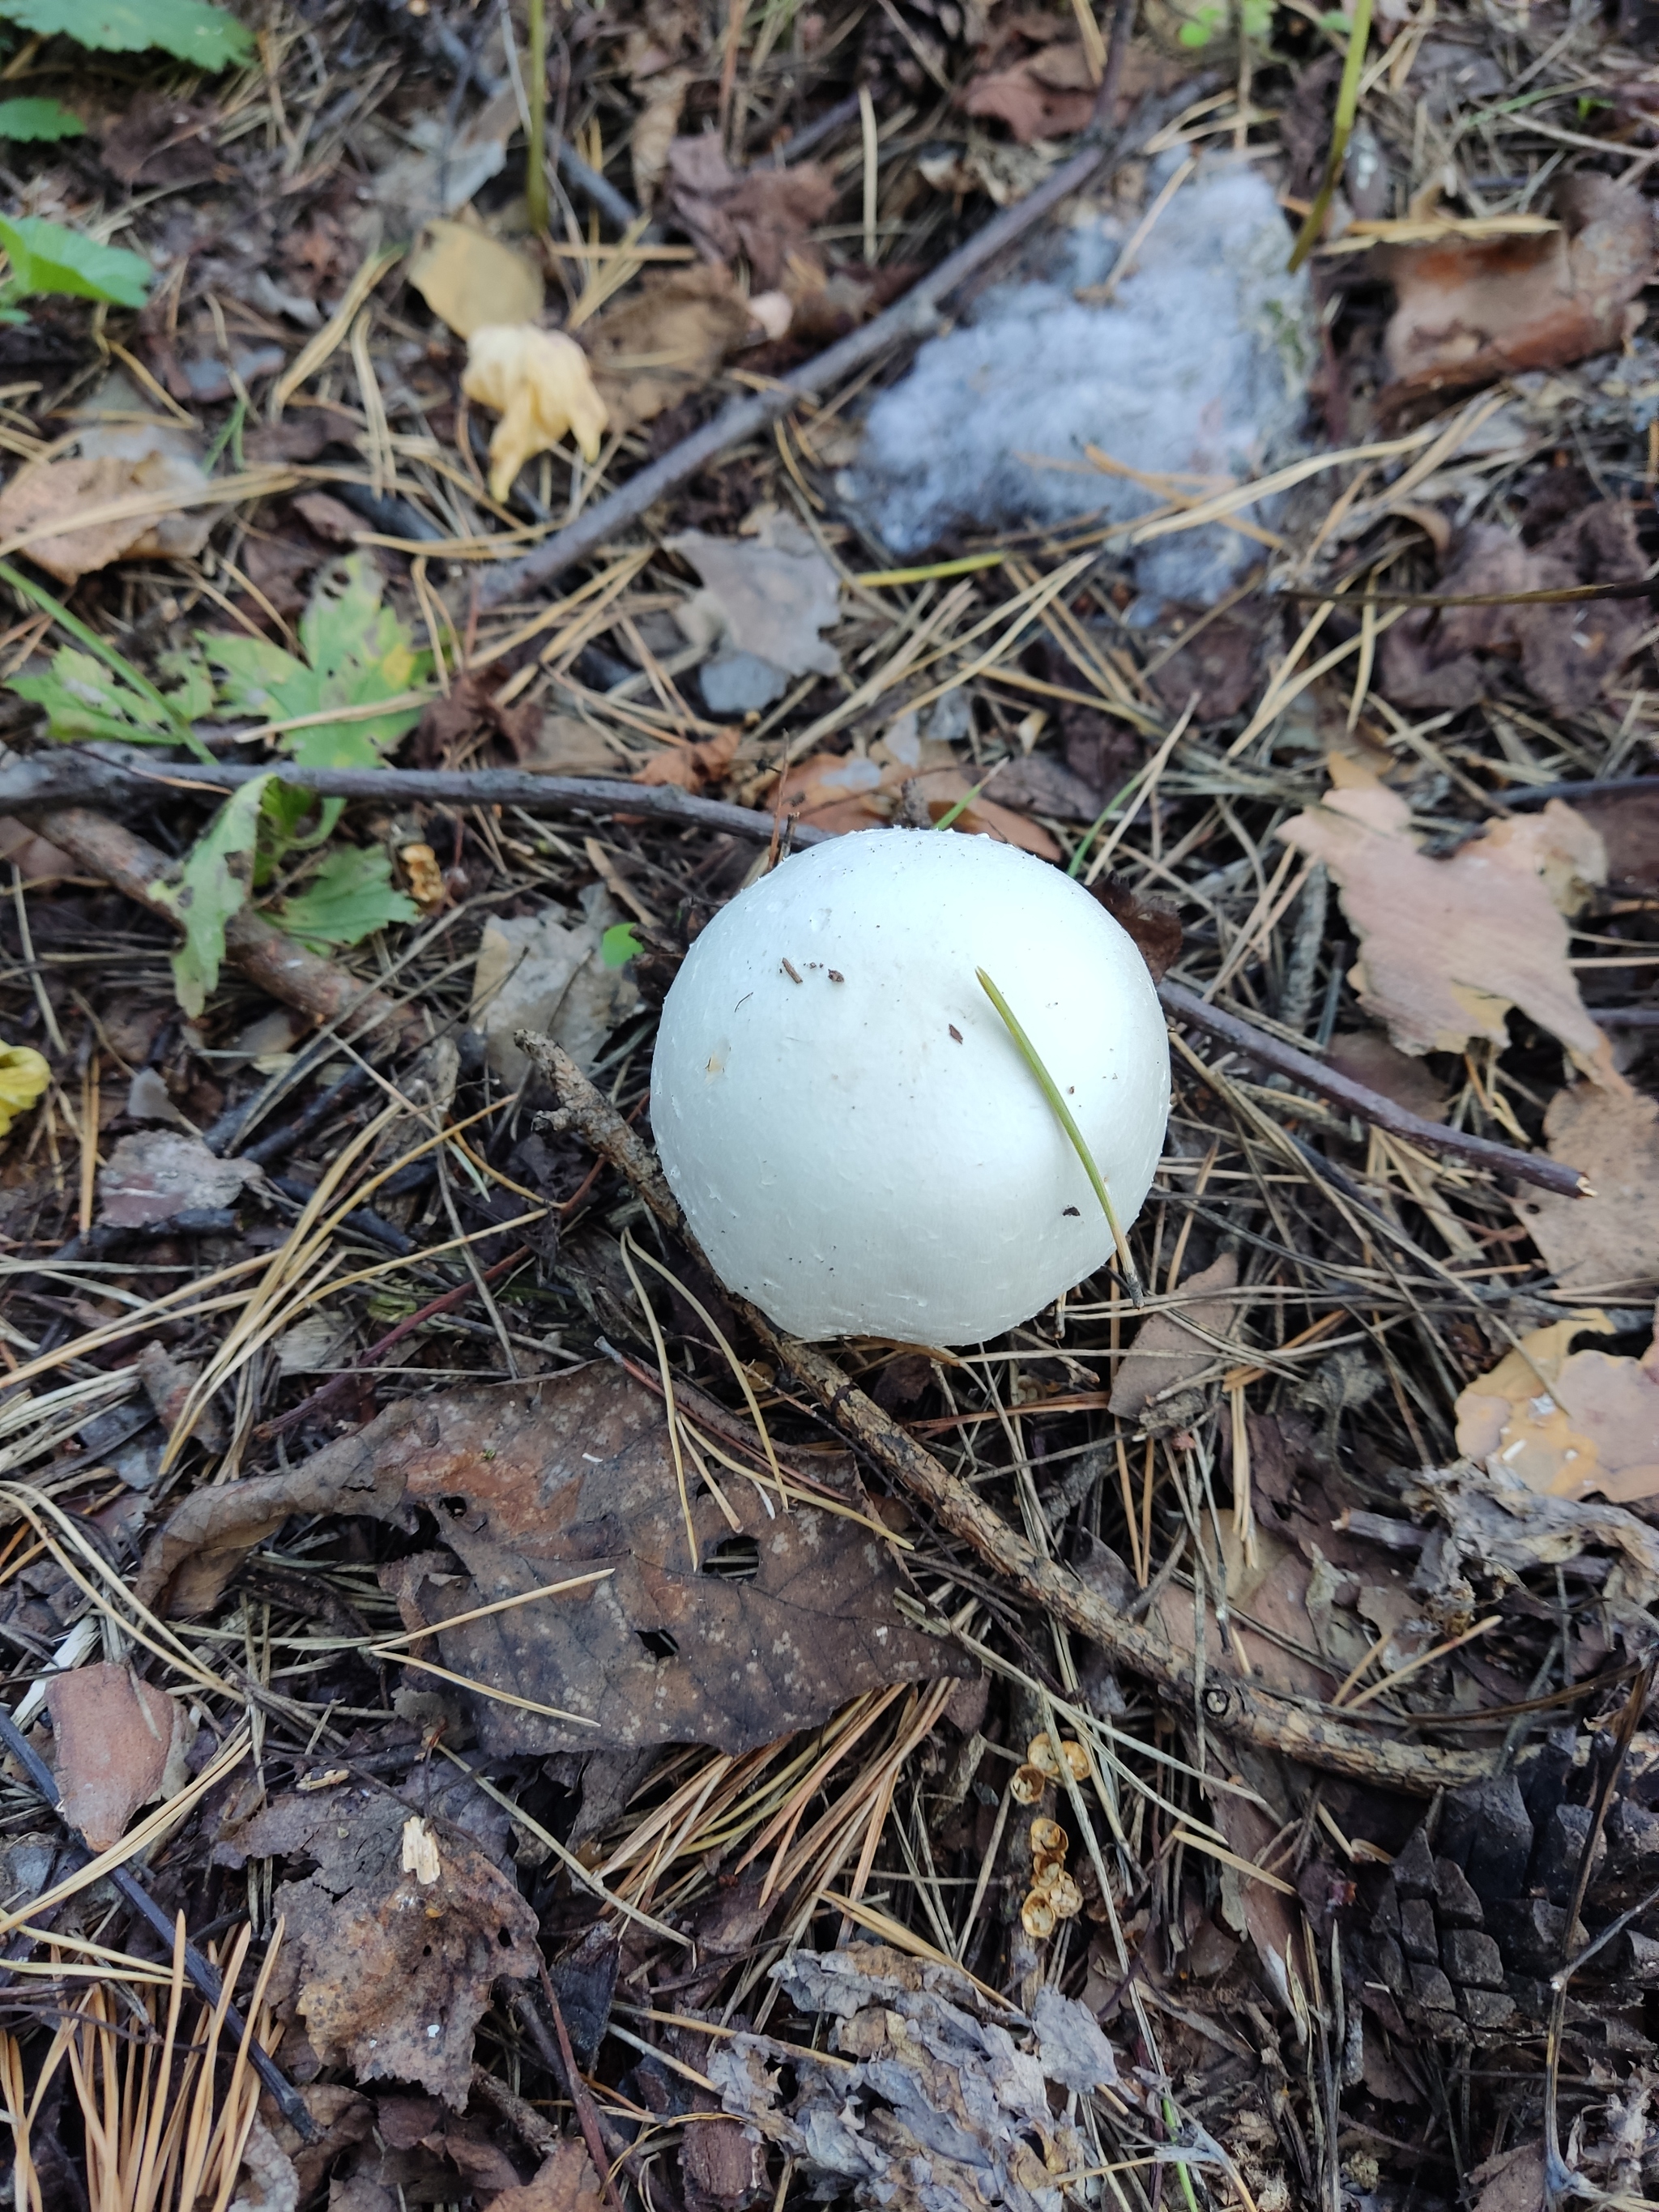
(857, 1141)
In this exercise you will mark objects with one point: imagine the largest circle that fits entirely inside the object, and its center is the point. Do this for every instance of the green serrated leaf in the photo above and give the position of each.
(211, 886)
(21, 120)
(47, 261)
(351, 896)
(208, 38)
(84, 699)
(357, 653)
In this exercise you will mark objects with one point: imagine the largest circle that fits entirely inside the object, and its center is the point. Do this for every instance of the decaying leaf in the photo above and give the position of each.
(763, 213)
(1446, 947)
(25, 1075)
(114, 1736)
(1503, 1530)
(778, 1622)
(1170, 1348)
(656, 347)
(1452, 656)
(1155, 928)
(390, 1971)
(158, 1173)
(115, 463)
(768, 593)
(1606, 1244)
(1046, 94)
(469, 279)
(566, 2182)
(692, 766)
(545, 971)
(538, 382)
(1565, 1423)
(844, 792)
(942, 2108)
(1470, 310)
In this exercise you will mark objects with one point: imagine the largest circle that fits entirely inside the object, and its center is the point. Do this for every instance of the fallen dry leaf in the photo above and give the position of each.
(692, 766)
(779, 1623)
(1446, 947)
(937, 2084)
(1608, 1244)
(763, 213)
(844, 792)
(768, 593)
(389, 1973)
(545, 971)
(1047, 94)
(1469, 311)
(538, 383)
(1450, 656)
(39, 506)
(658, 347)
(114, 1736)
(1155, 928)
(566, 2182)
(1170, 1348)
(1565, 1423)
(1496, 1524)
(159, 141)
(158, 1173)
(470, 280)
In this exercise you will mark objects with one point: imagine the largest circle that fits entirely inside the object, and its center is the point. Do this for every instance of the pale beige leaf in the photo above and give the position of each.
(1446, 947)
(1565, 1423)
(469, 279)
(538, 383)
(1607, 1245)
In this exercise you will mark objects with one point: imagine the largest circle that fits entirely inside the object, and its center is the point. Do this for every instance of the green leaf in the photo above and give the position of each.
(357, 653)
(24, 120)
(48, 259)
(207, 38)
(350, 896)
(619, 944)
(212, 886)
(84, 699)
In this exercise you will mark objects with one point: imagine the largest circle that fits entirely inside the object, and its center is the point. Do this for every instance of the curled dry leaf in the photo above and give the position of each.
(471, 280)
(768, 593)
(566, 2182)
(539, 384)
(692, 766)
(1471, 310)
(656, 348)
(1607, 1244)
(1452, 656)
(764, 215)
(389, 1970)
(40, 503)
(1446, 947)
(158, 1173)
(939, 2083)
(114, 1737)
(1171, 1349)
(1565, 1423)
(1498, 1527)
(778, 1622)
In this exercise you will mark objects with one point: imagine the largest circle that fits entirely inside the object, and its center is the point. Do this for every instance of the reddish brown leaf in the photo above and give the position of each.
(114, 1734)
(1155, 928)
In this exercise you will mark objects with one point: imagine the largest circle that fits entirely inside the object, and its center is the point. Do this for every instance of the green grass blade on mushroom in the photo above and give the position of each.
(1063, 1115)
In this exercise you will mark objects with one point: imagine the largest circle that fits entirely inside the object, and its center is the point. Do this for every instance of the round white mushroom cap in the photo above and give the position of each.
(857, 1142)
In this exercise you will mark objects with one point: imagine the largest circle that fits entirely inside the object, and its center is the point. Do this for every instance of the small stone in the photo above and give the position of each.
(1472, 1959)
(1417, 1930)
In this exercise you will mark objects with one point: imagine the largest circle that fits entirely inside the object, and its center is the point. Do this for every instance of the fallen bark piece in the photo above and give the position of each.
(1446, 947)
(779, 1620)
(389, 1971)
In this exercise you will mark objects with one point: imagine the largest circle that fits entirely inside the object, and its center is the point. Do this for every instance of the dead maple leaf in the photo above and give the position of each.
(1564, 1423)
(1449, 656)
(778, 1622)
(1606, 1244)
(764, 215)
(114, 1736)
(158, 1173)
(658, 348)
(389, 1973)
(1469, 311)
(1172, 1347)
(539, 384)
(469, 279)
(1446, 947)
